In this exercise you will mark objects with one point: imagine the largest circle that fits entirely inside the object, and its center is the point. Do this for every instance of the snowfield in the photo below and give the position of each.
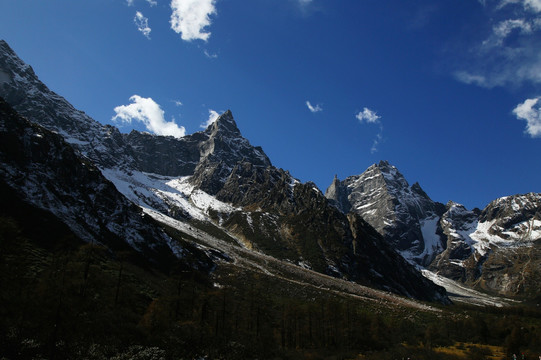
(460, 293)
(161, 193)
(522, 234)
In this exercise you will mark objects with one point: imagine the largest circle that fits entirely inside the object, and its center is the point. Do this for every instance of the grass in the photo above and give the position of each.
(466, 350)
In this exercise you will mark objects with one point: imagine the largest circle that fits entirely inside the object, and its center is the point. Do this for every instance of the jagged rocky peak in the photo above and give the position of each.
(11, 64)
(456, 224)
(337, 193)
(22, 89)
(390, 172)
(516, 217)
(226, 144)
(403, 214)
(225, 124)
(380, 186)
(220, 153)
(510, 206)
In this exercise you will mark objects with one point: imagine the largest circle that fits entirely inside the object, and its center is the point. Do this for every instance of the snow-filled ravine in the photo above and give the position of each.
(460, 293)
(163, 193)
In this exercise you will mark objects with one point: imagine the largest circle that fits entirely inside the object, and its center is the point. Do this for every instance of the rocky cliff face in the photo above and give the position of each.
(403, 214)
(455, 227)
(514, 218)
(42, 169)
(222, 150)
(508, 245)
(494, 250)
(215, 176)
(21, 88)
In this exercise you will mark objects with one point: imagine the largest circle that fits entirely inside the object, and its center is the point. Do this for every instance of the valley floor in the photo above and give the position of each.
(64, 299)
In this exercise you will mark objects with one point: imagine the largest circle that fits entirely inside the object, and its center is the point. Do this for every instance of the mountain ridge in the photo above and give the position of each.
(217, 178)
(473, 247)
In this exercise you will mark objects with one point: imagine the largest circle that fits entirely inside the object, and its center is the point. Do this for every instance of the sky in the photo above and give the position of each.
(448, 91)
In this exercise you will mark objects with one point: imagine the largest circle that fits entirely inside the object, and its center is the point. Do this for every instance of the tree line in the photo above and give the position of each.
(70, 299)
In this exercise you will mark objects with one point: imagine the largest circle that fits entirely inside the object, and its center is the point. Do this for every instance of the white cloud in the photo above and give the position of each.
(534, 5)
(178, 102)
(511, 53)
(150, 2)
(468, 78)
(209, 55)
(504, 28)
(531, 5)
(312, 108)
(530, 110)
(150, 114)
(190, 18)
(368, 115)
(377, 141)
(213, 115)
(142, 24)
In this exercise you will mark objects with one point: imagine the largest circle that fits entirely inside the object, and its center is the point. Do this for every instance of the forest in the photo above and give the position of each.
(61, 298)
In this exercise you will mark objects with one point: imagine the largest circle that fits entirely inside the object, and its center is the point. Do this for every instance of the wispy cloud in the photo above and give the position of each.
(177, 102)
(213, 115)
(312, 108)
(306, 7)
(190, 18)
(142, 24)
(529, 5)
(530, 110)
(511, 53)
(148, 112)
(504, 28)
(150, 2)
(377, 141)
(468, 78)
(209, 55)
(368, 115)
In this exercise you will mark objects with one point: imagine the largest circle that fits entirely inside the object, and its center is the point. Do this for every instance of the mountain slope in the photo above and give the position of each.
(494, 250)
(218, 181)
(40, 168)
(403, 214)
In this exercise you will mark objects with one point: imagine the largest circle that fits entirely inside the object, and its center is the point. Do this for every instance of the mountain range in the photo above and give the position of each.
(225, 196)
(495, 249)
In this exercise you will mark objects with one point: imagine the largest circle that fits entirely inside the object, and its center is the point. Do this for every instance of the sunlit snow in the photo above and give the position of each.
(160, 193)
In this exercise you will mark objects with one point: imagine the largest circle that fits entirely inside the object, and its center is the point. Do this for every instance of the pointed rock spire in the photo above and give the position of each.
(226, 124)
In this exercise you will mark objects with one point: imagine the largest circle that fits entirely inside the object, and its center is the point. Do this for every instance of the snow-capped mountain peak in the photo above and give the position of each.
(403, 214)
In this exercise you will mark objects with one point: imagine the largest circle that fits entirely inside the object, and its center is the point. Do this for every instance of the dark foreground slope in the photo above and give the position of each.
(65, 299)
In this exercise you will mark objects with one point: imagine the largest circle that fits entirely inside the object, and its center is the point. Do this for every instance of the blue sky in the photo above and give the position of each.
(448, 91)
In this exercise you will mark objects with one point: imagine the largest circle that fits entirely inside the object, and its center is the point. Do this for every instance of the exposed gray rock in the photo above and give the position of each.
(456, 225)
(513, 215)
(43, 170)
(494, 250)
(221, 151)
(383, 197)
